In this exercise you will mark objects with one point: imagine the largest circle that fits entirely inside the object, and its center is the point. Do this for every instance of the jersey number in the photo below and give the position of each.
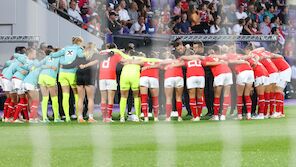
(193, 63)
(106, 63)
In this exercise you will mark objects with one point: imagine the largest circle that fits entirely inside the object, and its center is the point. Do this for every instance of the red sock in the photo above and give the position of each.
(226, 105)
(239, 101)
(261, 104)
(168, 109)
(267, 102)
(282, 103)
(6, 104)
(155, 106)
(10, 109)
(199, 106)
(33, 109)
(216, 106)
(192, 104)
(109, 110)
(103, 110)
(17, 112)
(248, 104)
(144, 104)
(179, 108)
(271, 103)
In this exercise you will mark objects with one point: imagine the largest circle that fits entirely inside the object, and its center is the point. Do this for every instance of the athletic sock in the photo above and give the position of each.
(168, 109)
(137, 105)
(144, 104)
(216, 106)
(55, 106)
(109, 110)
(179, 108)
(192, 103)
(5, 109)
(76, 103)
(199, 106)
(103, 110)
(44, 105)
(272, 103)
(155, 106)
(267, 102)
(239, 101)
(226, 105)
(34, 109)
(66, 97)
(261, 104)
(122, 106)
(282, 103)
(248, 101)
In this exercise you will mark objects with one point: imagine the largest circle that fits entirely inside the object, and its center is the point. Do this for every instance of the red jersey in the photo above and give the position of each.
(238, 67)
(259, 69)
(108, 67)
(194, 68)
(152, 72)
(218, 69)
(267, 63)
(173, 72)
(280, 63)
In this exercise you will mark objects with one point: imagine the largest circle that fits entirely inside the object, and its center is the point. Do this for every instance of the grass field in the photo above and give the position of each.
(231, 143)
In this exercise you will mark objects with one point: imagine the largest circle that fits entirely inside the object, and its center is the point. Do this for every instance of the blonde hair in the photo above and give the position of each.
(90, 50)
(77, 40)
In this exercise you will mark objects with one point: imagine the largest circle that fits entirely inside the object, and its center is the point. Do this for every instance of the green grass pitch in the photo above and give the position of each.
(267, 143)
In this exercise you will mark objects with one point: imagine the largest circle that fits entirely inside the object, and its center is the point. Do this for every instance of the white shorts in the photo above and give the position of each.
(223, 80)
(245, 77)
(6, 85)
(27, 86)
(174, 82)
(16, 84)
(286, 75)
(149, 82)
(195, 82)
(273, 78)
(263, 80)
(108, 84)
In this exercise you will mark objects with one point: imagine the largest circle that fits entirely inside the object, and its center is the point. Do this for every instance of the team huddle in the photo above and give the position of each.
(76, 66)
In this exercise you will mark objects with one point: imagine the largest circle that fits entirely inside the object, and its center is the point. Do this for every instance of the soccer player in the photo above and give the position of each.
(67, 77)
(222, 80)
(261, 79)
(149, 81)
(285, 73)
(48, 86)
(195, 84)
(85, 80)
(173, 80)
(244, 82)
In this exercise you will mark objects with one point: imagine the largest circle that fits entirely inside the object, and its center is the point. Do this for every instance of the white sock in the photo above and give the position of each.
(91, 116)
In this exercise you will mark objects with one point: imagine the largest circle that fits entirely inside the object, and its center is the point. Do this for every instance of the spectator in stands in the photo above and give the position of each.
(247, 27)
(83, 3)
(259, 14)
(123, 14)
(73, 12)
(215, 25)
(251, 12)
(152, 25)
(255, 28)
(281, 39)
(194, 18)
(133, 12)
(231, 14)
(264, 26)
(241, 14)
(238, 28)
(139, 26)
(114, 27)
(63, 10)
(93, 25)
(177, 9)
(205, 18)
(185, 25)
(84, 13)
(269, 11)
(284, 16)
(177, 25)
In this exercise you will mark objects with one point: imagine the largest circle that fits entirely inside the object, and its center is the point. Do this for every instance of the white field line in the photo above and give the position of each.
(40, 139)
(102, 142)
(231, 136)
(166, 144)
